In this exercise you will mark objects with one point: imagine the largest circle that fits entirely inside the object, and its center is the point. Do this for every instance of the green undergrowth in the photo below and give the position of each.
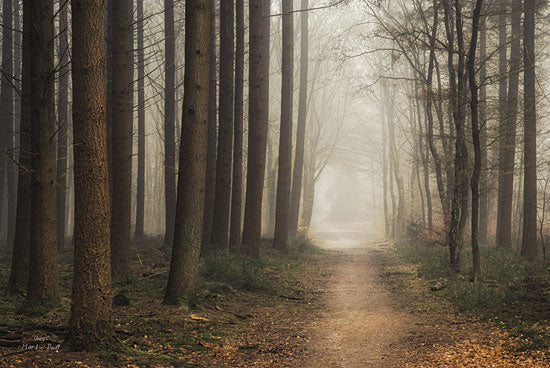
(156, 335)
(512, 292)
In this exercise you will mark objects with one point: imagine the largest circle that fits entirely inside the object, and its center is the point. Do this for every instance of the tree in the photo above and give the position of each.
(222, 204)
(192, 163)
(43, 286)
(169, 122)
(237, 187)
(6, 101)
(140, 195)
(257, 128)
(285, 140)
(90, 325)
(122, 141)
(210, 191)
(19, 274)
(302, 117)
(529, 238)
(62, 122)
(507, 137)
(475, 139)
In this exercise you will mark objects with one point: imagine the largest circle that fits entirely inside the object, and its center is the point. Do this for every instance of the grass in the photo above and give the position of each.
(161, 335)
(512, 292)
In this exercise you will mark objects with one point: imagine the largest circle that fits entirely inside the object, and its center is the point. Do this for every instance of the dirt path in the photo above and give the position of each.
(361, 325)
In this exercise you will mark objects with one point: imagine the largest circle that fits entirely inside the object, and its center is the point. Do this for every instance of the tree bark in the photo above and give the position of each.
(507, 137)
(210, 194)
(257, 130)
(529, 238)
(43, 287)
(302, 119)
(285, 143)
(122, 142)
(222, 204)
(140, 195)
(476, 269)
(62, 123)
(192, 163)
(19, 274)
(483, 175)
(169, 122)
(237, 187)
(90, 325)
(6, 107)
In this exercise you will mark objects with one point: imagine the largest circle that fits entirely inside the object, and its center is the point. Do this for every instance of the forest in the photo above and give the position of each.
(275, 183)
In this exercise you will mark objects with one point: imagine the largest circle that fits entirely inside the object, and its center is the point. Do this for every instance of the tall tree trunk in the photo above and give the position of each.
(476, 141)
(271, 170)
(169, 122)
(210, 192)
(507, 138)
(122, 142)
(302, 118)
(140, 195)
(62, 123)
(309, 192)
(109, 72)
(222, 204)
(285, 142)
(430, 120)
(192, 163)
(529, 239)
(503, 234)
(6, 105)
(19, 274)
(237, 187)
(457, 79)
(43, 287)
(257, 131)
(90, 324)
(483, 175)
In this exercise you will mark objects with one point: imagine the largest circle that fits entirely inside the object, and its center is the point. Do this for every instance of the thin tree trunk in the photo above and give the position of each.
(6, 106)
(62, 123)
(483, 178)
(222, 204)
(90, 324)
(476, 141)
(19, 274)
(302, 119)
(140, 195)
(169, 123)
(507, 139)
(257, 131)
(192, 163)
(285, 142)
(529, 239)
(122, 142)
(43, 287)
(387, 224)
(237, 187)
(503, 233)
(210, 192)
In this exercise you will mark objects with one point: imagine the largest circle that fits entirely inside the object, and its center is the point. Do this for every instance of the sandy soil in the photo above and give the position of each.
(361, 324)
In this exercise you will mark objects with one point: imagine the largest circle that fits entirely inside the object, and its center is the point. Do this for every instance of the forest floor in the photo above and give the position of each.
(353, 303)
